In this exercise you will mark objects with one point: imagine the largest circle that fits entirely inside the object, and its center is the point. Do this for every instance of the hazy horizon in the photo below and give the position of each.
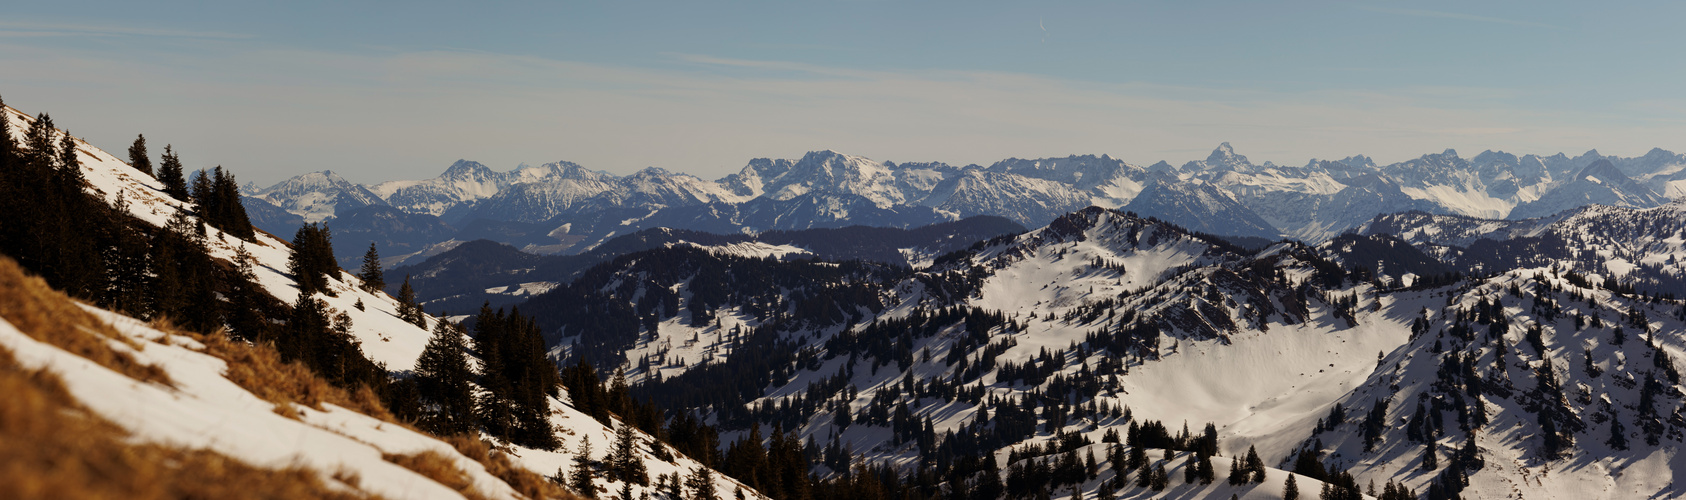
(400, 92)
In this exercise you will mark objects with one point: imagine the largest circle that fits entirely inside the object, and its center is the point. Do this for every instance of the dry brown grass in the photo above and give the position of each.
(49, 316)
(440, 468)
(258, 368)
(51, 447)
(79, 455)
(500, 466)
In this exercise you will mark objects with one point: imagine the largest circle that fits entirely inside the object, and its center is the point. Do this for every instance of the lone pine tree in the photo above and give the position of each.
(373, 280)
(580, 479)
(408, 310)
(138, 157)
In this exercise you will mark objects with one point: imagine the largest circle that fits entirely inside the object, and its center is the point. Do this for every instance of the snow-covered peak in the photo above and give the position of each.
(1225, 155)
(317, 196)
(464, 169)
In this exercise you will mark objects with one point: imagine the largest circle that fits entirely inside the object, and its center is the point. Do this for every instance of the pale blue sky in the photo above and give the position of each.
(381, 91)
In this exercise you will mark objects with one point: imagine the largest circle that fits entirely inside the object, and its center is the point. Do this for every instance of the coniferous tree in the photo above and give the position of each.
(1290, 491)
(312, 262)
(407, 308)
(1104, 492)
(76, 254)
(1238, 473)
(444, 379)
(580, 479)
(1431, 460)
(171, 174)
(246, 300)
(517, 378)
(138, 157)
(199, 187)
(1618, 435)
(671, 486)
(1255, 466)
(1160, 478)
(701, 483)
(373, 280)
(624, 464)
(1207, 472)
(227, 212)
(1470, 454)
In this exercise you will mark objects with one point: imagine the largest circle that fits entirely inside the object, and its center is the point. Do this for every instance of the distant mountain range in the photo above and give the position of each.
(564, 208)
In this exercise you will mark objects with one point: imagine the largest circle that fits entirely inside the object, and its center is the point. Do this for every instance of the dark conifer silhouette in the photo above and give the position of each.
(373, 280)
(312, 262)
(138, 157)
(171, 174)
(444, 381)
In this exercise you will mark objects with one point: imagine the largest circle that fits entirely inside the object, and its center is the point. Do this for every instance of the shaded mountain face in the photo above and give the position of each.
(1626, 247)
(485, 271)
(1200, 207)
(268, 217)
(392, 231)
(1600, 183)
(1387, 256)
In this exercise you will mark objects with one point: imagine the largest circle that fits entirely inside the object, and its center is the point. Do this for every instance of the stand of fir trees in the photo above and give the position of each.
(91, 248)
(517, 379)
(217, 195)
(312, 262)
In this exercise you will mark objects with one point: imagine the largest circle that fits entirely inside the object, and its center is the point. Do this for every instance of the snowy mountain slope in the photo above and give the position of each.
(1479, 366)
(1421, 228)
(1199, 206)
(200, 414)
(1102, 311)
(1392, 259)
(1599, 183)
(1364, 196)
(829, 172)
(1635, 247)
(464, 182)
(1151, 310)
(197, 412)
(1312, 202)
(1463, 187)
(974, 193)
(385, 338)
(318, 195)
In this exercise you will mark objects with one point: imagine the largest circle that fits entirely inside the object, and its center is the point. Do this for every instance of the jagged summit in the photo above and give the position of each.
(825, 188)
(1225, 155)
(467, 169)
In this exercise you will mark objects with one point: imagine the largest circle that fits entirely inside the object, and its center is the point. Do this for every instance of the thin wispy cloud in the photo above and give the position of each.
(1454, 15)
(18, 29)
